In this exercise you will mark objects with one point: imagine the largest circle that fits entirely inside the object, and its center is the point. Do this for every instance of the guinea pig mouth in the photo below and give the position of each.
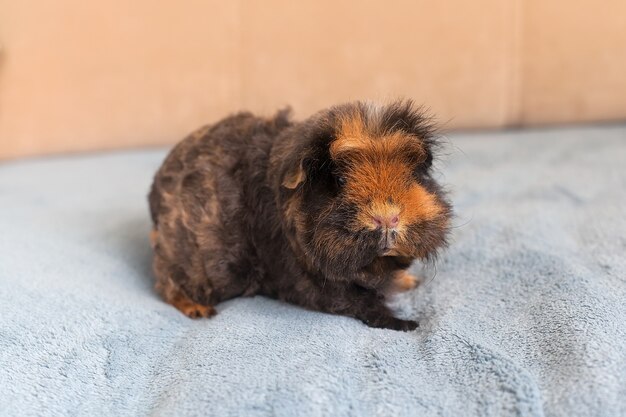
(387, 241)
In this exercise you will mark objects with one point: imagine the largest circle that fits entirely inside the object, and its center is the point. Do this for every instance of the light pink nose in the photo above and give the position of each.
(386, 221)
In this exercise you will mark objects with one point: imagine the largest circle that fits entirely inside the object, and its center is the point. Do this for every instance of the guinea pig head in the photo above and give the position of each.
(356, 187)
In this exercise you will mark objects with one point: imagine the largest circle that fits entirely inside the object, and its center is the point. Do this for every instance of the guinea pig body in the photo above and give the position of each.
(327, 213)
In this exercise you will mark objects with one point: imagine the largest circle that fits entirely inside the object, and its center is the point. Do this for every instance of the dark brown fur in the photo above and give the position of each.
(304, 212)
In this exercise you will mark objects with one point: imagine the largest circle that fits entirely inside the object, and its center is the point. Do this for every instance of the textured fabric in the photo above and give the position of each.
(526, 315)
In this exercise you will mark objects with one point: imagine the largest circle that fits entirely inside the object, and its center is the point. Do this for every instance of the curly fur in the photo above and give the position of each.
(293, 210)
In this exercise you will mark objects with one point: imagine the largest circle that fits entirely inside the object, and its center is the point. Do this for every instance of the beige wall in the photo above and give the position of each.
(81, 75)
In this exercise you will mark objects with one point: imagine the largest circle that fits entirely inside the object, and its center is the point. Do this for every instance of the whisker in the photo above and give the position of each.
(463, 224)
(433, 277)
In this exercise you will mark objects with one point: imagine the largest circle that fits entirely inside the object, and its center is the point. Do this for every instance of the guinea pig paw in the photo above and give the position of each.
(197, 311)
(403, 325)
(405, 282)
(394, 323)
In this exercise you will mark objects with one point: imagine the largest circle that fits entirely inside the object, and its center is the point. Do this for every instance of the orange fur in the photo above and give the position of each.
(174, 296)
(352, 135)
(379, 176)
(404, 282)
(154, 236)
(421, 205)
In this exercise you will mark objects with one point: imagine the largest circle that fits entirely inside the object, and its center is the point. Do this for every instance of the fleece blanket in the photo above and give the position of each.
(524, 315)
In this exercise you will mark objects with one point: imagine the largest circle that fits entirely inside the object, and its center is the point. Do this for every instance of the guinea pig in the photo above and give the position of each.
(327, 213)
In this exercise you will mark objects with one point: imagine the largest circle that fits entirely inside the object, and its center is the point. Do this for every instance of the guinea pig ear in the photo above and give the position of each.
(294, 176)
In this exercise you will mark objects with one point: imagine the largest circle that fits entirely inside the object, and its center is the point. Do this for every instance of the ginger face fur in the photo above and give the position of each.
(379, 175)
(327, 213)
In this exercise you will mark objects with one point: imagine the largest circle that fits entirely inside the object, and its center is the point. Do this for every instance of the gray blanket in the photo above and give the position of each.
(525, 314)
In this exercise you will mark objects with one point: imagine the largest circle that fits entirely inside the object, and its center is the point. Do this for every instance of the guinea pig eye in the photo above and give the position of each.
(423, 167)
(429, 161)
(341, 181)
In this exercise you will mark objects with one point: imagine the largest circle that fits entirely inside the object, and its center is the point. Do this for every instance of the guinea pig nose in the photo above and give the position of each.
(393, 221)
(386, 221)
